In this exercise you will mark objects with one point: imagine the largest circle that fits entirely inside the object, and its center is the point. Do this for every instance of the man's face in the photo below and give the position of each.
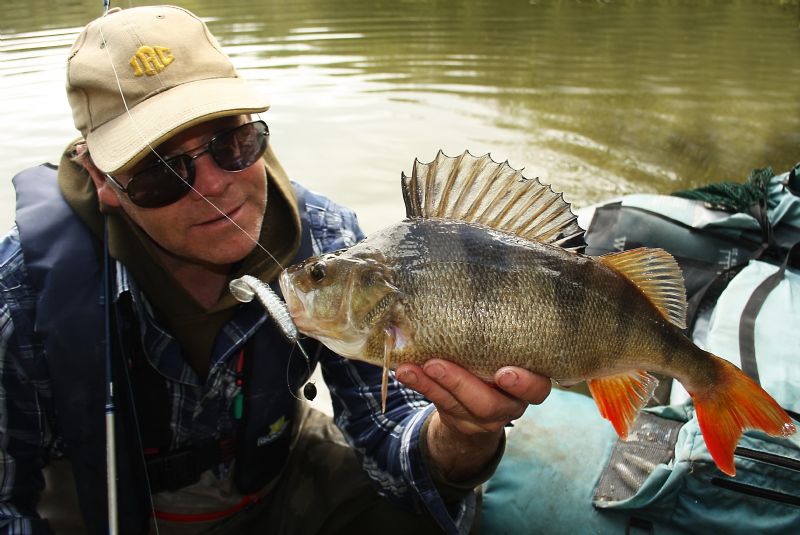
(192, 229)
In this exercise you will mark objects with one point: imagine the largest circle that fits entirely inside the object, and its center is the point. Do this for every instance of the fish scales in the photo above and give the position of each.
(477, 294)
(486, 271)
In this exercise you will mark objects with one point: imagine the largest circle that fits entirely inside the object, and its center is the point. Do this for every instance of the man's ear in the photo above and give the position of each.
(106, 192)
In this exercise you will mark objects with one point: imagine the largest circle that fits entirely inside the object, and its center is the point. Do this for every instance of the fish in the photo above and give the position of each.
(487, 270)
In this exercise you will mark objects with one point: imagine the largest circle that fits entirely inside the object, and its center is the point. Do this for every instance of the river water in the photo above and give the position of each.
(598, 98)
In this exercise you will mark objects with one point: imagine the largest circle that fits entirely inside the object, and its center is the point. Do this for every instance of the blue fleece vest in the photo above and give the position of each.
(65, 268)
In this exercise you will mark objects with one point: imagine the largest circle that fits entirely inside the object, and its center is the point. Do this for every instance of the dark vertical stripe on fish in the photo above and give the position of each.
(667, 339)
(628, 299)
(571, 293)
(479, 262)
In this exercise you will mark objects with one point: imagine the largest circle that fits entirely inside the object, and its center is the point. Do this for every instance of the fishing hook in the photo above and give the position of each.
(245, 288)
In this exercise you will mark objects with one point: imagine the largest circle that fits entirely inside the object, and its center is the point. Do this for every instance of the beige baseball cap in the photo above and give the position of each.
(138, 76)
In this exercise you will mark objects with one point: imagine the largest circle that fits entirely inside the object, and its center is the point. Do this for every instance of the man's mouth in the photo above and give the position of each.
(222, 215)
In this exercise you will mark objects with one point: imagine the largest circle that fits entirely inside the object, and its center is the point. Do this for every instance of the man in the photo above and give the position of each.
(170, 193)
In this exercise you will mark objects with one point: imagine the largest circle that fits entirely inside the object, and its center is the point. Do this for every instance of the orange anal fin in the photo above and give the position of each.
(620, 397)
(736, 403)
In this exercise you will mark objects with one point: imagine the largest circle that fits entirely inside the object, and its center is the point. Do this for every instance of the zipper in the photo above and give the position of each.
(760, 492)
(771, 458)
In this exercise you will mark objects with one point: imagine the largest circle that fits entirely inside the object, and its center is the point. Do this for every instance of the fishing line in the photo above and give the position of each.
(282, 325)
(163, 161)
(172, 170)
(309, 389)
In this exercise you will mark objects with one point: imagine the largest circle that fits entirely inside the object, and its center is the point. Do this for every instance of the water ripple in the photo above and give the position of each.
(598, 98)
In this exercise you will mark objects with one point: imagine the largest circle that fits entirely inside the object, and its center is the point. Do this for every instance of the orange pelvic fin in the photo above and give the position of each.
(735, 403)
(620, 397)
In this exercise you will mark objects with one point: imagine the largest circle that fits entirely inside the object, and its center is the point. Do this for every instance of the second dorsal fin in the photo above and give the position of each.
(495, 195)
(656, 273)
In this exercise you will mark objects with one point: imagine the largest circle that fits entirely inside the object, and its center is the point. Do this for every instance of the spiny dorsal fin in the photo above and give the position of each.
(657, 275)
(495, 195)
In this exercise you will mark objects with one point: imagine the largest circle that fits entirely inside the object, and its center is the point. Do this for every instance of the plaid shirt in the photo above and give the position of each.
(389, 443)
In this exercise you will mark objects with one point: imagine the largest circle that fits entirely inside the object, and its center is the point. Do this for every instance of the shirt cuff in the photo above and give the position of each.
(451, 490)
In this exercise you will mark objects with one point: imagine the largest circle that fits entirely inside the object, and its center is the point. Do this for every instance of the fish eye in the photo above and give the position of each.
(317, 271)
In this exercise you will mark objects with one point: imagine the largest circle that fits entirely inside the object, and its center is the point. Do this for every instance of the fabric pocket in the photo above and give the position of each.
(689, 492)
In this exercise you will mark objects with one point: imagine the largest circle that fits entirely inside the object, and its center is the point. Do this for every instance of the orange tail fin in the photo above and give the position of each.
(733, 404)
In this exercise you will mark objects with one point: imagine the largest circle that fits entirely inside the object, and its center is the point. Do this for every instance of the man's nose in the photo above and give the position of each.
(210, 179)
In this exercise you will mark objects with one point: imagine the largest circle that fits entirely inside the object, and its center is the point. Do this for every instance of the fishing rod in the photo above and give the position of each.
(111, 449)
(243, 289)
(111, 446)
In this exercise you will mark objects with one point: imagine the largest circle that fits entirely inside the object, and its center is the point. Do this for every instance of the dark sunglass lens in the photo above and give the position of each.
(162, 184)
(241, 147)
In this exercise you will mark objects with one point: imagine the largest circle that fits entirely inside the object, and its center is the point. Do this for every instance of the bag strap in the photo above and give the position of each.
(747, 324)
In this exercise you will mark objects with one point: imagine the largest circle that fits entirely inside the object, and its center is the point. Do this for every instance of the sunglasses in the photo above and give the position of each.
(169, 180)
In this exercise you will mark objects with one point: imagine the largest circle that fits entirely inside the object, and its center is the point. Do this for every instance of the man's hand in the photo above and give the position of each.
(465, 432)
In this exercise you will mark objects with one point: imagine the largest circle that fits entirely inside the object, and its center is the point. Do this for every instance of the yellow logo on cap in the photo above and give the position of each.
(151, 60)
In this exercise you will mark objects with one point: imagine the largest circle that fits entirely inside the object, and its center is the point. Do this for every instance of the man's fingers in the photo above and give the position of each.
(414, 377)
(478, 398)
(522, 384)
(469, 403)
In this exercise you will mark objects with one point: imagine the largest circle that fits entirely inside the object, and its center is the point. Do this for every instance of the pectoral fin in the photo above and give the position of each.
(620, 397)
(388, 346)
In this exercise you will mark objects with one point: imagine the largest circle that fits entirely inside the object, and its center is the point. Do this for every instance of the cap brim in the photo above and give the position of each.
(120, 143)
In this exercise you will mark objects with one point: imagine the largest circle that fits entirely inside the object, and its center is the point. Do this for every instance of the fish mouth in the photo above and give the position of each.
(297, 303)
(296, 307)
(300, 305)
(336, 332)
